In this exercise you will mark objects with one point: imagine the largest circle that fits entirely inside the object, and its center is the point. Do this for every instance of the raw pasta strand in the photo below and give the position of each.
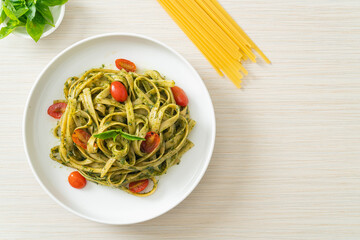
(234, 35)
(216, 45)
(204, 33)
(195, 40)
(211, 28)
(212, 50)
(240, 30)
(216, 34)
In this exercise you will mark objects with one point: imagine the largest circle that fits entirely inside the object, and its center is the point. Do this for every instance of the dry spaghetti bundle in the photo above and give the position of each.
(216, 34)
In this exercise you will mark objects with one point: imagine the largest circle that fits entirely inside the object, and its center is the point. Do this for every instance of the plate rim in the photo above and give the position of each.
(36, 83)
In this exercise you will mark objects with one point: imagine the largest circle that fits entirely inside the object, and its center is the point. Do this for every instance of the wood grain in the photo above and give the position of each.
(286, 163)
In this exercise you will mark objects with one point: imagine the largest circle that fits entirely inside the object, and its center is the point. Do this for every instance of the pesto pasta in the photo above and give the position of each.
(109, 135)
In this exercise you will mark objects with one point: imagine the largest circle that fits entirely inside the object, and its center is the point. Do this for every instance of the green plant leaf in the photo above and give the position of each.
(2, 15)
(11, 25)
(52, 3)
(115, 136)
(35, 27)
(9, 9)
(14, 8)
(45, 12)
(32, 10)
(23, 19)
(107, 134)
(130, 137)
(114, 133)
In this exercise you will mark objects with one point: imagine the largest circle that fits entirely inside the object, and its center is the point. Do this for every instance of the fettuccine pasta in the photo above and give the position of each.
(92, 111)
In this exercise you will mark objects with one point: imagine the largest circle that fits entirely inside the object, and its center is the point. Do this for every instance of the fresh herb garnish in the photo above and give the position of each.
(33, 14)
(114, 133)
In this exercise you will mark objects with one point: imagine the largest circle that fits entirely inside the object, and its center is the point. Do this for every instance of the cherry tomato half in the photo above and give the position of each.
(180, 96)
(80, 137)
(76, 180)
(118, 91)
(57, 109)
(152, 141)
(138, 186)
(125, 64)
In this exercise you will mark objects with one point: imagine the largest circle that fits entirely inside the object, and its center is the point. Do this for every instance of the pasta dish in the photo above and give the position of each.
(121, 129)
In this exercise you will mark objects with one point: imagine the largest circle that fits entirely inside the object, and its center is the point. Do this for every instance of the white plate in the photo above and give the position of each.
(100, 203)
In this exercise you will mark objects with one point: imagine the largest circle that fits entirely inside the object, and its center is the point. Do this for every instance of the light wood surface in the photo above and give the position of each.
(286, 163)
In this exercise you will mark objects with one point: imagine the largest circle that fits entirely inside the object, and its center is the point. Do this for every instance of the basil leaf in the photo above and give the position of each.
(52, 3)
(14, 8)
(32, 10)
(9, 9)
(45, 12)
(35, 27)
(115, 136)
(114, 133)
(107, 134)
(2, 15)
(130, 137)
(11, 25)
(23, 20)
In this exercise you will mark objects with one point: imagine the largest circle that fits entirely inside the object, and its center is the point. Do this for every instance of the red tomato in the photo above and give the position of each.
(80, 137)
(125, 64)
(76, 180)
(180, 96)
(57, 109)
(118, 91)
(152, 141)
(138, 186)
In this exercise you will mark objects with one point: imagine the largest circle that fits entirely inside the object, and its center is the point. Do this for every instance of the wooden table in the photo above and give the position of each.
(286, 163)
